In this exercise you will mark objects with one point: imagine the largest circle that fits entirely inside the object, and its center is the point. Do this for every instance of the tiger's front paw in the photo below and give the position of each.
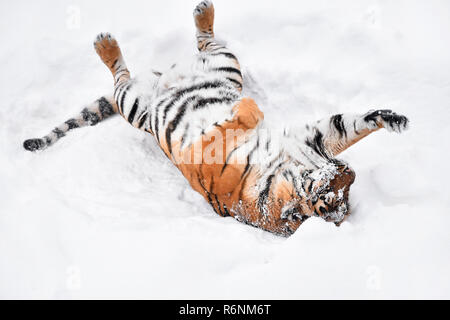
(107, 48)
(386, 119)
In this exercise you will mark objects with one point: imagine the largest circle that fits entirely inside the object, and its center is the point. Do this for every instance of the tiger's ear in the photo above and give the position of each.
(248, 113)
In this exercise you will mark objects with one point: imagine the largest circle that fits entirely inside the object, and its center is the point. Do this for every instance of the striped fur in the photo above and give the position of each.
(91, 115)
(271, 178)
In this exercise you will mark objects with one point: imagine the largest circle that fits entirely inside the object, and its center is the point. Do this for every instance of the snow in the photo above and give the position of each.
(103, 214)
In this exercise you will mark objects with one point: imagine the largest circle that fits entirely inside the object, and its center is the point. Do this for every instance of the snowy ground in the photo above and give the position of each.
(102, 214)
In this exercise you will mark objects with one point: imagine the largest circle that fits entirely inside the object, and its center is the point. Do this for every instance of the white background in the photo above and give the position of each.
(103, 214)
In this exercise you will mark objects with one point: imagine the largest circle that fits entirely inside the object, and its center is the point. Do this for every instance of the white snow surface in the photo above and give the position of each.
(103, 214)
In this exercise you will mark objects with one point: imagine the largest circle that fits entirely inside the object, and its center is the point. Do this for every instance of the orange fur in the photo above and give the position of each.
(109, 52)
(205, 21)
(209, 178)
(336, 147)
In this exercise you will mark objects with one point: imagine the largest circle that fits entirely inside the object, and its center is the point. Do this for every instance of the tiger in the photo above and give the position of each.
(270, 178)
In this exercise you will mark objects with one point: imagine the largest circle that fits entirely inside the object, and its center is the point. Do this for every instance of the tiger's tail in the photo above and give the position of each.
(91, 115)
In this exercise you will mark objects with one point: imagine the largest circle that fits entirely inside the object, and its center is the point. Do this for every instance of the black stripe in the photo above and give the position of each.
(183, 137)
(172, 103)
(178, 95)
(212, 43)
(229, 69)
(200, 182)
(124, 94)
(228, 158)
(310, 185)
(268, 144)
(90, 117)
(59, 133)
(105, 107)
(271, 163)
(117, 93)
(294, 182)
(157, 118)
(211, 187)
(244, 181)
(174, 123)
(210, 202)
(207, 42)
(317, 144)
(338, 123)
(248, 159)
(118, 73)
(308, 158)
(72, 124)
(133, 111)
(118, 89)
(203, 102)
(120, 70)
(239, 84)
(201, 45)
(226, 54)
(220, 209)
(142, 121)
(264, 194)
(354, 127)
(249, 156)
(149, 117)
(247, 166)
(218, 205)
(225, 209)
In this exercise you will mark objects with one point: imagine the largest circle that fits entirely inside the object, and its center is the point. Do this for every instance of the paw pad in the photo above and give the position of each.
(108, 49)
(199, 9)
(104, 40)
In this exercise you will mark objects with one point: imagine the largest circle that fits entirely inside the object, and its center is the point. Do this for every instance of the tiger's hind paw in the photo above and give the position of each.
(204, 16)
(34, 144)
(387, 119)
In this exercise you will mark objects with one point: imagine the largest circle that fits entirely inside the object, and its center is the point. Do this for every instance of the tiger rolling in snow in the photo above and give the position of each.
(269, 178)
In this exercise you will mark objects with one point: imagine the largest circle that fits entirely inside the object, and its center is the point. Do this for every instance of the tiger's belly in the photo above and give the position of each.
(207, 162)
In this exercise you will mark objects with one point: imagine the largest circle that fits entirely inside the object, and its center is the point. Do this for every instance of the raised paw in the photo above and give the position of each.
(34, 144)
(108, 49)
(204, 16)
(386, 119)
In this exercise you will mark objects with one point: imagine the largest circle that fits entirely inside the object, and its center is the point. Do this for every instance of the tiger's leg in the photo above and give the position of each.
(216, 57)
(129, 100)
(333, 135)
